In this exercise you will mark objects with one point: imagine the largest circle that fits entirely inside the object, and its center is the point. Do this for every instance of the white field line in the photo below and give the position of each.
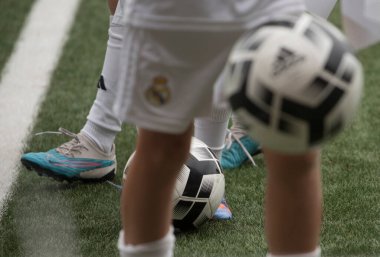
(26, 78)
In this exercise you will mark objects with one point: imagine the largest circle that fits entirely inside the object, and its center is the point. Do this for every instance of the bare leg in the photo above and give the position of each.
(293, 202)
(150, 183)
(112, 6)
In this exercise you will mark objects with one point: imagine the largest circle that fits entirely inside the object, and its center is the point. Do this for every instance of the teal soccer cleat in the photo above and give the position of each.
(78, 159)
(238, 150)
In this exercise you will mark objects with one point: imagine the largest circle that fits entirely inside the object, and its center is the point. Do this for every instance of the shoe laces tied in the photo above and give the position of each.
(234, 134)
(68, 148)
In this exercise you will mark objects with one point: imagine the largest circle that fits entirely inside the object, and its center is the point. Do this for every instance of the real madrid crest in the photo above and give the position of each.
(158, 92)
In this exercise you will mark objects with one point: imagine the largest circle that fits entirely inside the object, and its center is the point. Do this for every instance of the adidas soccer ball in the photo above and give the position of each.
(293, 83)
(199, 188)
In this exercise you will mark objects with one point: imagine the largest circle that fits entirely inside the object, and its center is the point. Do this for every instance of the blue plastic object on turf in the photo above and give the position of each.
(223, 212)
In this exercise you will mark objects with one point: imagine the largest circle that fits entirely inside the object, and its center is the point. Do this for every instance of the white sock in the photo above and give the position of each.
(212, 129)
(103, 123)
(315, 253)
(161, 248)
(103, 137)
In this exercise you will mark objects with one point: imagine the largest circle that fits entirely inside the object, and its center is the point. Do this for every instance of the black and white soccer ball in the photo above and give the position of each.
(293, 82)
(199, 187)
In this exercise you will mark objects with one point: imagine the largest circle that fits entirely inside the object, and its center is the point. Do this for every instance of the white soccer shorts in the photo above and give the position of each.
(168, 70)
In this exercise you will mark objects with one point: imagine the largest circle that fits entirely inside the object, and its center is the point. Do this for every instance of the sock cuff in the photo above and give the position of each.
(217, 148)
(163, 247)
(103, 137)
(315, 253)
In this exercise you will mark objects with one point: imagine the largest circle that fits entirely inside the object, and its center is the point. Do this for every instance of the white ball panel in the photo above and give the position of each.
(181, 182)
(217, 193)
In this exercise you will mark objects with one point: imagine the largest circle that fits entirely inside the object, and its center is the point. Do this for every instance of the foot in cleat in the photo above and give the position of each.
(79, 159)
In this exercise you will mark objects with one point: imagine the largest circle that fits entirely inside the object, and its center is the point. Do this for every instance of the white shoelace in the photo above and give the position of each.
(119, 187)
(234, 135)
(67, 148)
